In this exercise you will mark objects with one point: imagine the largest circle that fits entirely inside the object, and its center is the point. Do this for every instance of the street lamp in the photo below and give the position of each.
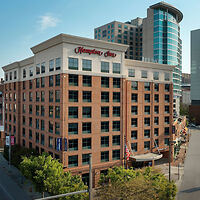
(170, 143)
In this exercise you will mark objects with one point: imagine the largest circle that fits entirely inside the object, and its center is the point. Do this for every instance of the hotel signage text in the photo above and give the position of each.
(80, 50)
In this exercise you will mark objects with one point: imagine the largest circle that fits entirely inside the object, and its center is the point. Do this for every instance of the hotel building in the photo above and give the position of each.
(155, 38)
(77, 96)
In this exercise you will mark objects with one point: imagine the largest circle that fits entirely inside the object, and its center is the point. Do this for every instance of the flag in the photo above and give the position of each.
(127, 152)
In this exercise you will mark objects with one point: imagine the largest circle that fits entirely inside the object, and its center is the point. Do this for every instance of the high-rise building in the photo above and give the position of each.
(77, 96)
(195, 76)
(155, 38)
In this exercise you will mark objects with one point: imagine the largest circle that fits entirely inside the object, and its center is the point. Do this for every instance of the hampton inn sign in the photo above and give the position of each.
(80, 50)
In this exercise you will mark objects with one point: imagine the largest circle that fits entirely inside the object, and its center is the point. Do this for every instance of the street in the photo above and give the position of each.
(190, 186)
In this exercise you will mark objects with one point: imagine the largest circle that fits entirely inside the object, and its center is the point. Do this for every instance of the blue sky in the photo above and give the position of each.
(25, 23)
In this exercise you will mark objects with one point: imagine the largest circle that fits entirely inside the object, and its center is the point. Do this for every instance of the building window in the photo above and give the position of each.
(134, 146)
(156, 120)
(73, 112)
(116, 68)
(15, 74)
(73, 96)
(146, 133)
(147, 98)
(57, 111)
(147, 121)
(104, 96)
(30, 109)
(105, 67)
(116, 140)
(37, 138)
(156, 87)
(166, 141)
(30, 84)
(50, 127)
(30, 134)
(87, 81)
(42, 111)
(37, 124)
(156, 76)
(166, 131)
(58, 63)
(167, 87)
(167, 109)
(105, 82)
(42, 125)
(57, 80)
(42, 82)
(134, 85)
(50, 111)
(144, 74)
(105, 111)
(73, 144)
(147, 110)
(147, 86)
(131, 72)
(38, 69)
(86, 65)
(167, 77)
(87, 96)
(86, 127)
(116, 154)
(43, 67)
(85, 161)
(105, 156)
(134, 122)
(134, 110)
(24, 96)
(50, 142)
(134, 135)
(116, 111)
(156, 109)
(73, 161)
(156, 98)
(156, 132)
(24, 74)
(166, 120)
(166, 98)
(147, 145)
(50, 81)
(37, 112)
(116, 126)
(31, 71)
(73, 80)
(105, 126)
(87, 112)
(86, 143)
(73, 128)
(23, 132)
(51, 65)
(116, 82)
(30, 121)
(134, 98)
(116, 96)
(50, 95)
(73, 63)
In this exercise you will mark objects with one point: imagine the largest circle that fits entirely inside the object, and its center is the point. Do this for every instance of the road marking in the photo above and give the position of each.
(6, 192)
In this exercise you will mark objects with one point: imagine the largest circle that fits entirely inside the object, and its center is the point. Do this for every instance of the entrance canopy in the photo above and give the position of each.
(146, 157)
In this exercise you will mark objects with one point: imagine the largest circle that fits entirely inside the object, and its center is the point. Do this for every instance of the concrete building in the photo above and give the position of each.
(195, 76)
(185, 86)
(77, 96)
(155, 38)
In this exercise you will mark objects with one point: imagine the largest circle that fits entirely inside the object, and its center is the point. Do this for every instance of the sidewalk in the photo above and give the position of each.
(16, 176)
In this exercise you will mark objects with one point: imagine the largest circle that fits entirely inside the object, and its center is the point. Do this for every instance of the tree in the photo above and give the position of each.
(48, 176)
(141, 184)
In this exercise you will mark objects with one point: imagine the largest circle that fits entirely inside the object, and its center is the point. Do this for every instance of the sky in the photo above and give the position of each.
(25, 23)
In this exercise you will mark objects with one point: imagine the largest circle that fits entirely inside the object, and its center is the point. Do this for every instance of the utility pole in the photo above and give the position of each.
(90, 177)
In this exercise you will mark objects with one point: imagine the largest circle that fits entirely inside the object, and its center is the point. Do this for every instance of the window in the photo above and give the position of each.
(156, 131)
(146, 133)
(37, 138)
(134, 146)
(85, 161)
(73, 161)
(134, 85)
(30, 121)
(143, 74)
(38, 69)
(86, 143)
(167, 109)
(15, 74)
(50, 95)
(87, 81)
(116, 140)
(116, 154)
(116, 96)
(73, 128)
(51, 65)
(73, 96)
(50, 81)
(167, 86)
(30, 109)
(57, 112)
(50, 111)
(57, 80)
(42, 125)
(166, 98)
(57, 95)
(147, 98)
(105, 126)
(147, 110)
(134, 135)
(131, 72)
(166, 131)
(58, 63)
(30, 134)
(116, 82)
(50, 142)
(42, 111)
(23, 132)
(73, 112)
(37, 94)
(147, 121)
(156, 109)
(147, 86)
(105, 67)
(24, 74)
(42, 82)
(87, 112)
(73, 144)
(43, 67)
(116, 126)
(104, 96)
(73, 63)
(167, 77)
(86, 65)
(24, 120)
(134, 110)
(105, 111)
(116, 68)
(156, 87)
(24, 96)
(156, 98)
(57, 128)
(134, 97)
(147, 145)
(86, 127)
(156, 120)
(50, 127)
(105, 156)
(37, 123)
(31, 71)
(30, 84)
(73, 80)
(166, 141)
(156, 76)
(87, 96)
(166, 120)
(134, 122)
(116, 111)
